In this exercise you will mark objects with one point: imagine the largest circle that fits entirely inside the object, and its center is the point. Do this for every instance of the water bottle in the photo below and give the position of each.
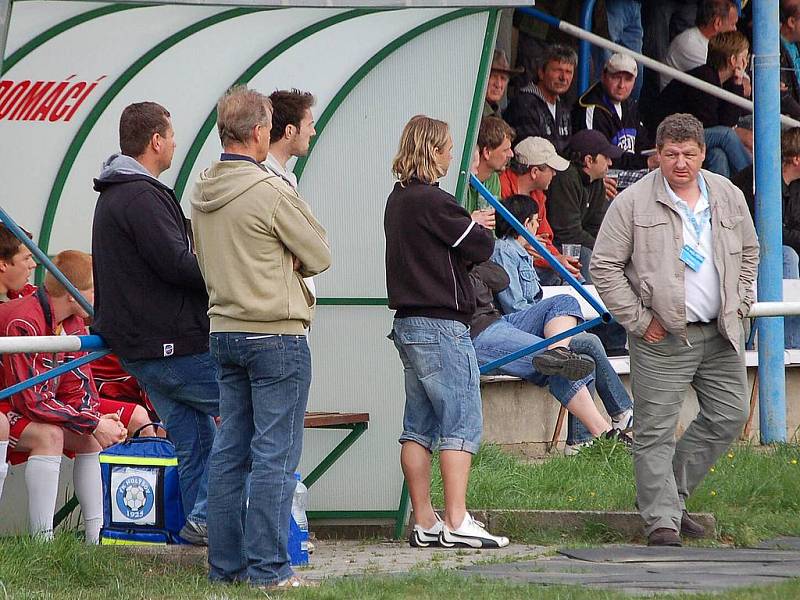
(298, 527)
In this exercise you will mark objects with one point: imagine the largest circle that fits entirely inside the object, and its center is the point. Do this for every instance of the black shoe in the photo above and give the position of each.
(664, 536)
(690, 527)
(194, 533)
(566, 363)
(621, 437)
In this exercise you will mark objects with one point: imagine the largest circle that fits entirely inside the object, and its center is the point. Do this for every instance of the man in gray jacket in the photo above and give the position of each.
(674, 262)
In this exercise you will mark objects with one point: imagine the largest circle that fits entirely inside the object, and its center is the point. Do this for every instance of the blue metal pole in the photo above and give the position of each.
(45, 260)
(766, 88)
(537, 245)
(495, 364)
(584, 47)
(59, 370)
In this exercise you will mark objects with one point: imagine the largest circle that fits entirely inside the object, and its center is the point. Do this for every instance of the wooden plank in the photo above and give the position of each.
(326, 419)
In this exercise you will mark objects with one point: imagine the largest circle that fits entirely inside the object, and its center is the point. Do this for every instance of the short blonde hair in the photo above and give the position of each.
(239, 111)
(76, 267)
(415, 158)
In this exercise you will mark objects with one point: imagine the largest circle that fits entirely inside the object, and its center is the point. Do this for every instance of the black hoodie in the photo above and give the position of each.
(431, 242)
(150, 298)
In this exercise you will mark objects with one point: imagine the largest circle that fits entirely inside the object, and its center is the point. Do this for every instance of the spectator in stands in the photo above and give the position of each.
(727, 59)
(431, 242)
(494, 152)
(523, 293)
(607, 107)
(577, 198)
(663, 21)
(16, 265)
(625, 29)
(690, 49)
(499, 75)
(681, 289)
(256, 240)
(567, 374)
(151, 300)
(537, 110)
(530, 172)
(790, 196)
(790, 58)
(63, 413)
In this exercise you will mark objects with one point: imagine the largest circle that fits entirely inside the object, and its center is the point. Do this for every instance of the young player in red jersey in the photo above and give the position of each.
(63, 413)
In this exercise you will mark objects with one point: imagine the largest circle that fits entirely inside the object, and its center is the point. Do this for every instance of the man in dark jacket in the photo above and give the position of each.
(608, 108)
(577, 198)
(790, 196)
(150, 298)
(725, 66)
(537, 110)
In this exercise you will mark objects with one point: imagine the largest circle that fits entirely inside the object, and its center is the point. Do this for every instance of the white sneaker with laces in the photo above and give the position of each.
(426, 538)
(470, 534)
(574, 449)
(623, 421)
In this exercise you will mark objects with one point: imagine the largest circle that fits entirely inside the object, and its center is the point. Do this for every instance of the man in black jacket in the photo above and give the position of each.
(790, 58)
(608, 108)
(150, 298)
(537, 110)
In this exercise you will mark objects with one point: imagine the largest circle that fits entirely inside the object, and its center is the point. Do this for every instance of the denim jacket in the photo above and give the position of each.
(524, 290)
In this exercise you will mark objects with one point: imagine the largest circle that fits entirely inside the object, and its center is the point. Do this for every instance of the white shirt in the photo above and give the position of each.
(552, 108)
(701, 287)
(687, 51)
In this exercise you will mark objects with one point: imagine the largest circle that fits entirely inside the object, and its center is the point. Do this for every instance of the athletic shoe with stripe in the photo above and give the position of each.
(470, 534)
(426, 538)
(564, 362)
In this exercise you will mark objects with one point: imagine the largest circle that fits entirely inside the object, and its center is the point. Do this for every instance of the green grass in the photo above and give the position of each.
(754, 492)
(68, 570)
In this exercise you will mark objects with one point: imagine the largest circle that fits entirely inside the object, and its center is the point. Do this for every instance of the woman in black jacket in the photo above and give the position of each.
(430, 244)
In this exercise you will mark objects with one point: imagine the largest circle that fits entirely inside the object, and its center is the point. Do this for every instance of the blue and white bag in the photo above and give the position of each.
(141, 492)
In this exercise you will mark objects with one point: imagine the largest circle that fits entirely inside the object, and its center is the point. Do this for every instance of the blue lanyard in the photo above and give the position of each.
(698, 224)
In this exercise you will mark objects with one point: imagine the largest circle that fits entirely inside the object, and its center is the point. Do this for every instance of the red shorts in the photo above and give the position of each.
(18, 423)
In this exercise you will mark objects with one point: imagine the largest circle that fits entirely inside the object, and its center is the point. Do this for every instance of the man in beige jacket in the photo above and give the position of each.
(674, 262)
(256, 239)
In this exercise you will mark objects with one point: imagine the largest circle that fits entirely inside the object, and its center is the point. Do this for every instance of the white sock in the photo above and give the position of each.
(41, 479)
(89, 490)
(3, 465)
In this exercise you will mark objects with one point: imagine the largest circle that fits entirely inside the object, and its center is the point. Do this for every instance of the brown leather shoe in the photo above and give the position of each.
(663, 536)
(690, 527)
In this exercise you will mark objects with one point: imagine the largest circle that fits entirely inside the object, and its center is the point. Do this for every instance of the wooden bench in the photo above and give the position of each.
(357, 423)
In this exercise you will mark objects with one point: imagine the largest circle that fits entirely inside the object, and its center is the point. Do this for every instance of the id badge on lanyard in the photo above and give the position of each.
(690, 253)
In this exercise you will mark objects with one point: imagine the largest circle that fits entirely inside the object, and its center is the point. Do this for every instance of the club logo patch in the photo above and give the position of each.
(135, 498)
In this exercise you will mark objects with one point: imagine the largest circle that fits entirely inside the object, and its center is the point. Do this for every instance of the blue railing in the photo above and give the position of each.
(605, 316)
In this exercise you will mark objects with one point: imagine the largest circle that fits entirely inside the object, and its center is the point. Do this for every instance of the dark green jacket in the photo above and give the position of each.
(576, 207)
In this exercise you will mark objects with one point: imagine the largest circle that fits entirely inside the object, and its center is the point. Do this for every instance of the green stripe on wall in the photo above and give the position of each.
(244, 78)
(476, 112)
(365, 69)
(59, 28)
(105, 100)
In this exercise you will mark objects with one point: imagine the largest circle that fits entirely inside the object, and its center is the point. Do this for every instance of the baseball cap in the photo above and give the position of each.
(621, 63)
(535, 151)
(590, 141)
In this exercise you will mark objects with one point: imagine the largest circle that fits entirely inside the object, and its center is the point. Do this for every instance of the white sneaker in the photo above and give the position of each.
(623, 421)
(470, 534)
(574, 449)
(426, 538)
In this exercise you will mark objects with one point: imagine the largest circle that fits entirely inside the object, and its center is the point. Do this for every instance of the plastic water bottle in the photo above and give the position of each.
(298, 527)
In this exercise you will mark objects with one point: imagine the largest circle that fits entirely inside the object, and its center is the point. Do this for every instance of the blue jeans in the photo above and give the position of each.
(625, 29)
(525, 328)
(791, 325)
(612, 393)
(263, 383)
(442, 382)
(185, 394)
(725, 153)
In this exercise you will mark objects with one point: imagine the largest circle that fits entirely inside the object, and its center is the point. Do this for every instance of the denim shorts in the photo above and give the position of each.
(442, 382)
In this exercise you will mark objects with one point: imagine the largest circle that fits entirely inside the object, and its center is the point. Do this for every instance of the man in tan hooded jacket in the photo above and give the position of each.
(256, 239)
